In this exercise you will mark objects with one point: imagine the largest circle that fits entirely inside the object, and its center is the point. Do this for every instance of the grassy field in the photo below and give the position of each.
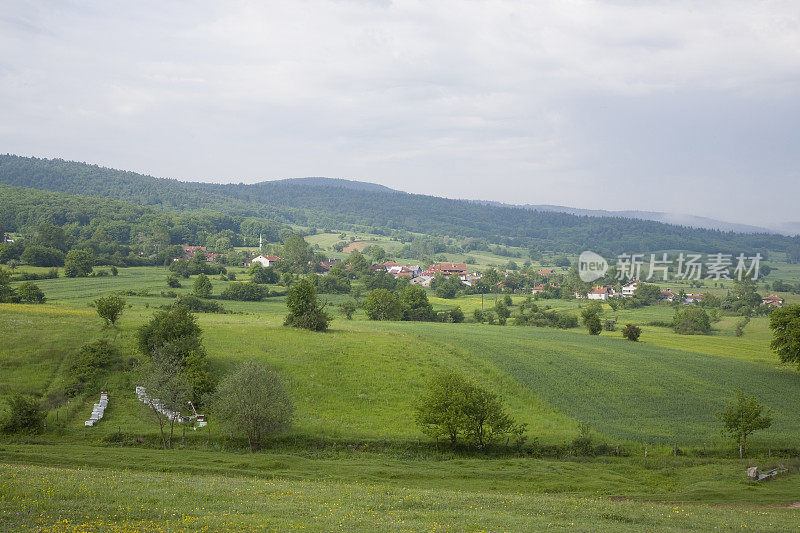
(70, 499)
(358, 456)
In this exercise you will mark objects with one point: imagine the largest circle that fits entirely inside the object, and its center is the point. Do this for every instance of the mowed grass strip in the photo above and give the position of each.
(69, 499)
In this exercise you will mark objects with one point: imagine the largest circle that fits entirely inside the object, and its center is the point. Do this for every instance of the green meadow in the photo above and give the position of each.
(355, 458)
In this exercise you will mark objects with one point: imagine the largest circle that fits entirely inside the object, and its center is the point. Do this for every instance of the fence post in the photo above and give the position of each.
(769, 451)
(617, 451)
(740, 451)
(645, 451)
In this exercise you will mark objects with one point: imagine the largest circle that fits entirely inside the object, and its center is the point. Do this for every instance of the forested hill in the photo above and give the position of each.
(340, 204)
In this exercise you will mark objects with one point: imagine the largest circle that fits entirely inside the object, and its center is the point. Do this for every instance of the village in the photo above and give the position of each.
(415, 275)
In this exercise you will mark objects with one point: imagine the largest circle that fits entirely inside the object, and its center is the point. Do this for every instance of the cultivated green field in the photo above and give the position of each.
(356, 460)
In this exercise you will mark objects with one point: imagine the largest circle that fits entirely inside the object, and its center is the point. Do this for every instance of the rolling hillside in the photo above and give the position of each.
(336, 204)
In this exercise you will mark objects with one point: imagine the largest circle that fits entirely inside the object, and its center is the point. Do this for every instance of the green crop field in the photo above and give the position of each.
(355, 458)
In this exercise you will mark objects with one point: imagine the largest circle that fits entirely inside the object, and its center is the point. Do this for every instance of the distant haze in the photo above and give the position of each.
(672, 107)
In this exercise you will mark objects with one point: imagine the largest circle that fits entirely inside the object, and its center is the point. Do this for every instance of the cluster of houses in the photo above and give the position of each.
(605, 292)
(417, 276)
(190, 251)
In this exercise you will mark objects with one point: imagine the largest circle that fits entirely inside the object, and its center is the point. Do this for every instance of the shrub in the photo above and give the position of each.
(631, 332)
(34, 276)
(245, 292)
(582, 444)
(348, 308)
(43, 256)
(502, 309)
(592, 323)
(691, 321)
(84, 366)
(259, 274)
(29, 292)
(173, 281)
(198, 305)
(446, 288)
(454, 315)
(110, 308)
(27, 415)
(566, 321)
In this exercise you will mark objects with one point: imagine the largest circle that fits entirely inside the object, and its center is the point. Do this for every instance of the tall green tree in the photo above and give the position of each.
(743, 416)
(253, 400)
(169, 390)
(382, 304)
(785, 326)
(415, 303)
(202, 286)
(173, 337)
(590, 316)
(304, 309)
(359, 266)
(456, 408)
(79, 263)
(109, 308)
(297, 254)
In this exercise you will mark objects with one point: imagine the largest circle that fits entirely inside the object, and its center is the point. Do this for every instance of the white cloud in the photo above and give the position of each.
(535, 102)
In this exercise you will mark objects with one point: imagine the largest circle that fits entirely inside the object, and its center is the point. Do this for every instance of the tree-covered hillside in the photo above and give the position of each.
(338, 204)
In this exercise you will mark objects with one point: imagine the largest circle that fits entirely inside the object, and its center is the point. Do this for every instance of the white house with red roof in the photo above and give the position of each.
(264, 260)
(772, 301)
(600, 293)
(629, 288)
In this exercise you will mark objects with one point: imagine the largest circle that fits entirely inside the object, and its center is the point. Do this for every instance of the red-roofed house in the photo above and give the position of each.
(263, 260)
(537, 289)
(668, 295)
(772, 301)
(448, 269)
(545, 271)
(600, 293)
(190, 251)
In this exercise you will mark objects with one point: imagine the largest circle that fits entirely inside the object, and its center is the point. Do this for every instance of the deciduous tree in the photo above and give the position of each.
(252, 400)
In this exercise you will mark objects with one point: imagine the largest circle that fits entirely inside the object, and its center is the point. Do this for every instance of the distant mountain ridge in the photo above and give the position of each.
(679, 219)
(343, 204)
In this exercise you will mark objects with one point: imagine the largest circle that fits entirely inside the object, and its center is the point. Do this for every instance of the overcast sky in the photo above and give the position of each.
(690, 107)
